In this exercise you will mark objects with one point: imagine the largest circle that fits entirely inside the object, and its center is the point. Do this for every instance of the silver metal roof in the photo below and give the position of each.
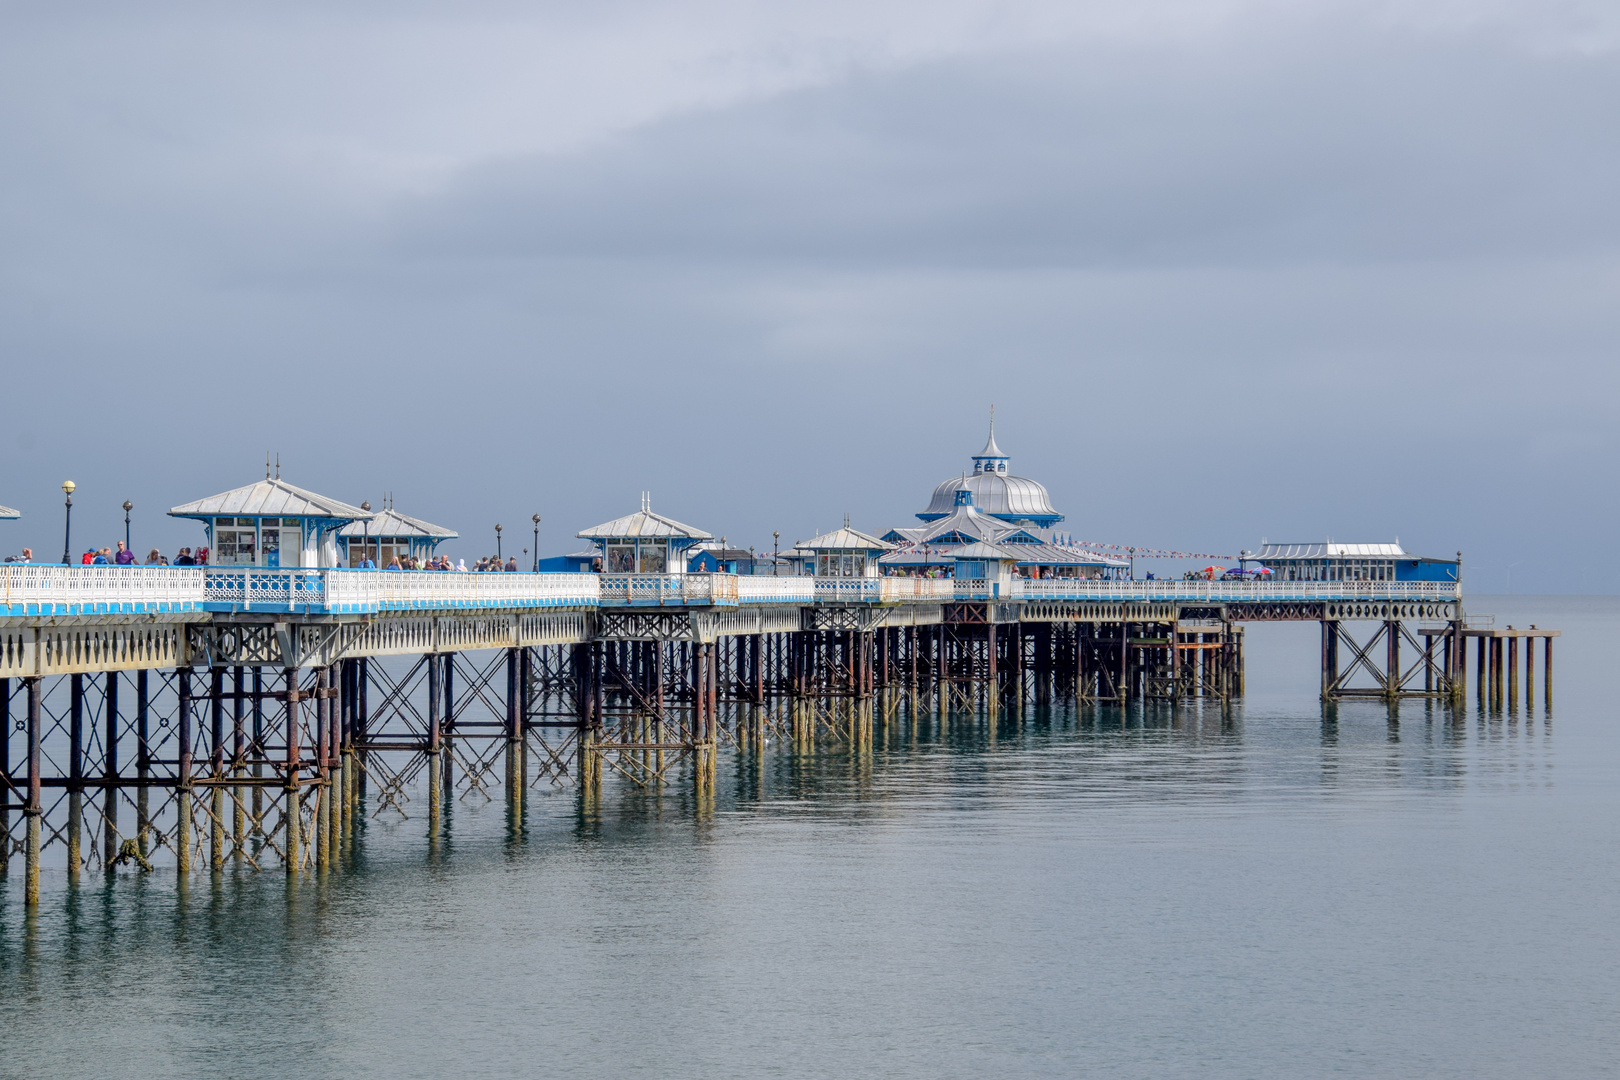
(644, 523)
(390, 522)
(8, 512)
(270, 498)
(1331, 550)
(985, 551)
(995, 493)
(845, 539)
(966, 520)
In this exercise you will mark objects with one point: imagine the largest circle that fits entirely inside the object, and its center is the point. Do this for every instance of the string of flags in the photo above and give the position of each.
(1155, 553)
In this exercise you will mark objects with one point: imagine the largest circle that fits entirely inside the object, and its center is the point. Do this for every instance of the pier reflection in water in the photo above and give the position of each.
(1272, 887)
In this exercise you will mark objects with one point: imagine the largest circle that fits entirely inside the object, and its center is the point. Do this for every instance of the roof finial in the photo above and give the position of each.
(267, 464)
(846, 519)
(278, 465)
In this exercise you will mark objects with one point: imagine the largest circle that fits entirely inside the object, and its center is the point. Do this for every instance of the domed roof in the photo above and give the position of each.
(1011, 498)
(993, 491)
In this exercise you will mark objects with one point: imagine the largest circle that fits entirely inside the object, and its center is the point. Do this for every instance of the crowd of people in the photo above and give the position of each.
(122, 556)
(440, 562)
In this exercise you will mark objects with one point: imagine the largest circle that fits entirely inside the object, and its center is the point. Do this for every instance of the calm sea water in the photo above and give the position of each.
(1266, 893)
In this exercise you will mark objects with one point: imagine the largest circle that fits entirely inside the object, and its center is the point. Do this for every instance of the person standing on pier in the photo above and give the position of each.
(124, 557)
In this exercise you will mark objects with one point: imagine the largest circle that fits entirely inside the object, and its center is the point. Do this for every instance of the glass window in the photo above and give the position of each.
(621, 559)
(290, 523)
(234, 547)
(654, 558)
(227, 523)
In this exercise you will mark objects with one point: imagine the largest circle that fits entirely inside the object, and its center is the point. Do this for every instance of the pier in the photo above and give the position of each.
(247, 714)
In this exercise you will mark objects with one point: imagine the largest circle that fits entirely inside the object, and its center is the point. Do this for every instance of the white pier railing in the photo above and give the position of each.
(419, 590)
(34, 591)
(26, 590)
(1233, 591)
(776, 590)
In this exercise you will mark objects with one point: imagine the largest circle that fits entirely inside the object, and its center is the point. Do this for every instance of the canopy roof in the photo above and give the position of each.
(845, 539)
(1330, 550)
(8, 512)
(986, 551)
(390, 522)
(270, 498)
(645, 524)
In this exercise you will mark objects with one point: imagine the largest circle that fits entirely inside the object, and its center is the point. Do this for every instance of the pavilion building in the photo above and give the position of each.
(992, 506)
(644, 542)
(389, 534)
(271, 524)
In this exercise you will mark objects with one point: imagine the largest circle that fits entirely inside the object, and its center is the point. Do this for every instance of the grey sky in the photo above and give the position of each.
(1226, 270)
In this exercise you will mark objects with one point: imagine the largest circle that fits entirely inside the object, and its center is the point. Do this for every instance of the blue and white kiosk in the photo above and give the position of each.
(987, 567)
(843, 553)
(644, 542)
(389, 534)
(271, 524)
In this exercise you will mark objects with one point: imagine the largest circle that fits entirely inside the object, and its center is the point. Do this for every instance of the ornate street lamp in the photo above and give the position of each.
(365, 533)
(497, 543)
(128, 506)
(775, 539)
(67, 526)
(536, 520)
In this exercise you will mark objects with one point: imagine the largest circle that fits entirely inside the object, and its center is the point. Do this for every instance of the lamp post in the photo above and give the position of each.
(775, 540)
(128, 506)
(365, 534)
(536, 520)
(67, 523)
(497, 543)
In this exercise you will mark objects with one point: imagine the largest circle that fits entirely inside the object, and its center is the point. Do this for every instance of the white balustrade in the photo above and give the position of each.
(899, 590)
(418, 590)
(776, 590)
(31, 590)
(26, 589)
(1235, 591)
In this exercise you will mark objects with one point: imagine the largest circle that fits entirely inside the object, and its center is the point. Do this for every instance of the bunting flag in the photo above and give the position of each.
(1156, 553)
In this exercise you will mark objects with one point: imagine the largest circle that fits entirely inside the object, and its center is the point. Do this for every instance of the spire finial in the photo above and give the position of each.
(267, 464)
(278, 465)
(846, 519)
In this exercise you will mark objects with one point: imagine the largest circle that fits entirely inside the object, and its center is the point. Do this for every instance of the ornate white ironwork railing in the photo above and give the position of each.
(26, 589)
(852, 590)
(416, 590)
(1234, 591)
(640, 588)
(776, 590)
(248, 588)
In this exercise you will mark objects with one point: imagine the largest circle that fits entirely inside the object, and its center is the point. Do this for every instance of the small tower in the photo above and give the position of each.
(990, 459)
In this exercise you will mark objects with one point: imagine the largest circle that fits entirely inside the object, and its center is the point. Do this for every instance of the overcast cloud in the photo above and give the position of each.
(1227, 270)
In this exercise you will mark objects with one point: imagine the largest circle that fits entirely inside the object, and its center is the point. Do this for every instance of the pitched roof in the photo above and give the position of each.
(845, 539)
(391, 522)
(8, 512)
(985, 551)
(270, 498)
(644, 523)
